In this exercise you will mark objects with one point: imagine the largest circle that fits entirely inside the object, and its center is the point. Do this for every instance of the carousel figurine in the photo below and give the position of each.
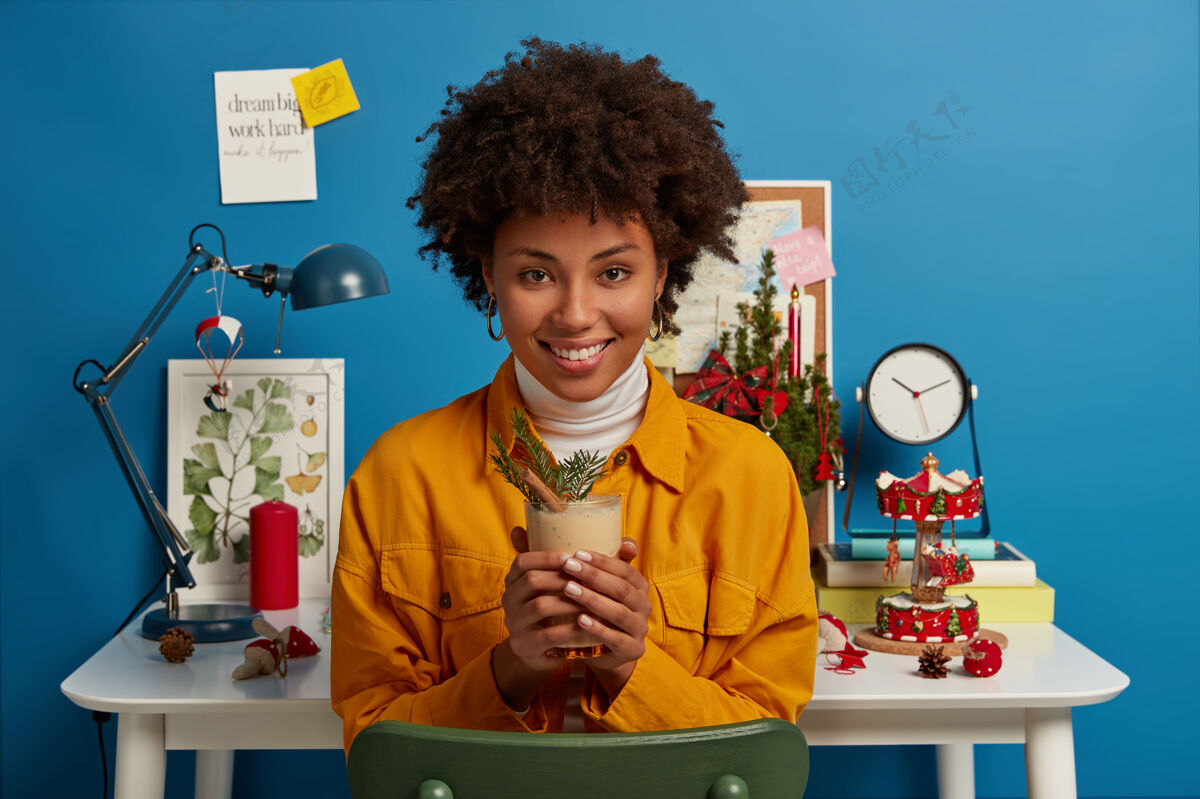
(925, 614)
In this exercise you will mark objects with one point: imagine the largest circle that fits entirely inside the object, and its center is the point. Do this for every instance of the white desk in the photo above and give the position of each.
(1045, 673)
(196, 705)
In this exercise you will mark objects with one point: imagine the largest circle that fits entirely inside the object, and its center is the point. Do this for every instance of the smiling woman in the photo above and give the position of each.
(572, 192)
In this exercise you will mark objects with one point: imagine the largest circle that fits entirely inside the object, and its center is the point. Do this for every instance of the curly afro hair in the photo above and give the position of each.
(577, 130)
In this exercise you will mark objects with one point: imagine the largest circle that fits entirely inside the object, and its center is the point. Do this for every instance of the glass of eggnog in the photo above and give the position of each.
(593, 524)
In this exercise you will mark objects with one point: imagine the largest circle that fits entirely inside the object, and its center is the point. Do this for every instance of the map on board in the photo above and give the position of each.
(709, 303)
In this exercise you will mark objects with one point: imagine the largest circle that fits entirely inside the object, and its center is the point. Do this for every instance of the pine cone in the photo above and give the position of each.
(933, 663)
(176, 645)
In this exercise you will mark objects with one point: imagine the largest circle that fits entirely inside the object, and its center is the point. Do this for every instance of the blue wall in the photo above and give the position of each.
(1055, 252)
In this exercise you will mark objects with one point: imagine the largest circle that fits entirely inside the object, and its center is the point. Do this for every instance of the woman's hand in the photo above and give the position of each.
(532, 592)
(616, 602)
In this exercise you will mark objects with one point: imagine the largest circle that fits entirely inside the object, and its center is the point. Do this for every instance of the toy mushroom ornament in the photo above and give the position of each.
(982, 657)
(831, 633)
(270, 653)
(833, 640)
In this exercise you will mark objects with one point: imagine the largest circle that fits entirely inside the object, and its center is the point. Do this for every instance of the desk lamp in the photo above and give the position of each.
(330, 274)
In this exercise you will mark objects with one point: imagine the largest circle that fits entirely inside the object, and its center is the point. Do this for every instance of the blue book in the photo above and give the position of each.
(873, 546)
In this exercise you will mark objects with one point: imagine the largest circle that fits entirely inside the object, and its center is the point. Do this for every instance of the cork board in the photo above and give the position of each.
(812, 213)
(814, 198)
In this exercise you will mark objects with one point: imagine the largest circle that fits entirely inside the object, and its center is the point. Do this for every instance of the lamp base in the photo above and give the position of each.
(207, 623)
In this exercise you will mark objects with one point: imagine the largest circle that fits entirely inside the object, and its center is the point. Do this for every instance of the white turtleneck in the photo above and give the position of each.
(600, 425)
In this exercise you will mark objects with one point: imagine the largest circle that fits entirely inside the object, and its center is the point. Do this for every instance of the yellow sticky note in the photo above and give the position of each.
(325, 93)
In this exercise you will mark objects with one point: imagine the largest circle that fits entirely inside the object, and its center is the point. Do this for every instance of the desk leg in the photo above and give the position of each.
(1049, 753)
(956, 771)
(141, 756)
(214, 773)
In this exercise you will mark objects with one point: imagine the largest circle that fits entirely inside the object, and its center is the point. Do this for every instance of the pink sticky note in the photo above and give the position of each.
(801, 258)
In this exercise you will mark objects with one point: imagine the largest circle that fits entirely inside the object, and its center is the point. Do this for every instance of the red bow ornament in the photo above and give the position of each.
(716, 387)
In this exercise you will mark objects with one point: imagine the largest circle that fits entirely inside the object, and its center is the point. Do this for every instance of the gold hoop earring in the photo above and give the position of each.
(658, 312)
(491, 309)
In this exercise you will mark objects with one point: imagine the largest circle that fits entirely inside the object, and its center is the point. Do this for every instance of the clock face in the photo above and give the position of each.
(916, 393)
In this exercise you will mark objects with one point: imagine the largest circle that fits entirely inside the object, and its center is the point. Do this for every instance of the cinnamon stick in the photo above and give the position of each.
(548, 497)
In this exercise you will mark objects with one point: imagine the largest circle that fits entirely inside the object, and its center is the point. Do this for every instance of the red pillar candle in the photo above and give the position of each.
(274, 556)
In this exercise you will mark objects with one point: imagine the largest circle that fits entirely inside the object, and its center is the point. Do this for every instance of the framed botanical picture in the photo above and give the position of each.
(274, 430)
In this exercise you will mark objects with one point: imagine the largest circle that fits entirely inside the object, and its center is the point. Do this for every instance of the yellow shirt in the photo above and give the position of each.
(424, 548)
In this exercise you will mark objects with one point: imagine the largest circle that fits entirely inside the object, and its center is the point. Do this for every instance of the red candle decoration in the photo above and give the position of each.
(274, 556)
(794, 332)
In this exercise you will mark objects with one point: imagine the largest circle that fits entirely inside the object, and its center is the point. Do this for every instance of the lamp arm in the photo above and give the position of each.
(175, 550)
(158, 314)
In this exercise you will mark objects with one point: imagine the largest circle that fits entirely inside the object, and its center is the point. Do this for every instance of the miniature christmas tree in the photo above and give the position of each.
(810, 406)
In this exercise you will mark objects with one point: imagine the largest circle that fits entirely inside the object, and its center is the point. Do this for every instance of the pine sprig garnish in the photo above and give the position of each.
(539, 458)
(570, 481)
(510, 469)
(579, 473)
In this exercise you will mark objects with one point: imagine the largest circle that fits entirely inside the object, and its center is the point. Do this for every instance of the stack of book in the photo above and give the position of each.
(1006, 587)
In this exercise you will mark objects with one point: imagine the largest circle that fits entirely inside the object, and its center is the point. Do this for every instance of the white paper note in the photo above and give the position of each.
(265, 151)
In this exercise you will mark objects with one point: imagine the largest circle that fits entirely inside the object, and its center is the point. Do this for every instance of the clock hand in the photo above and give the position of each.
(939, 385)
(921, 408)
(917, 398)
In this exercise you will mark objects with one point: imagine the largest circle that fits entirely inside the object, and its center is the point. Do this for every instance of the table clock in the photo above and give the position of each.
(915, 394)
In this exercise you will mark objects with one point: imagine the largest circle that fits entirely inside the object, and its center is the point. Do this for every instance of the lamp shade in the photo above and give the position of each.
(334, 273)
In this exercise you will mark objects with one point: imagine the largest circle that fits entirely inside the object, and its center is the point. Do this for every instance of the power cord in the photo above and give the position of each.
(101, 718)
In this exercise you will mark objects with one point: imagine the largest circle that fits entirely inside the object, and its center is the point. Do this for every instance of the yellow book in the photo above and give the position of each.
(996, 604)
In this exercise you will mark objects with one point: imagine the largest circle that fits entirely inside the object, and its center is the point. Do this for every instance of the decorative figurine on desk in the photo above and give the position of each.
(924, 614)
(270, 654)
(833, 641)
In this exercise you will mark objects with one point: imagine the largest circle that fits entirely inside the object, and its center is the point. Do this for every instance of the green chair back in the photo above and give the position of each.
(764, 759)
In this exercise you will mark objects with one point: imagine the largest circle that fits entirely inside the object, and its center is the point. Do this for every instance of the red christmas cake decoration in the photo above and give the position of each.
(899, 617)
